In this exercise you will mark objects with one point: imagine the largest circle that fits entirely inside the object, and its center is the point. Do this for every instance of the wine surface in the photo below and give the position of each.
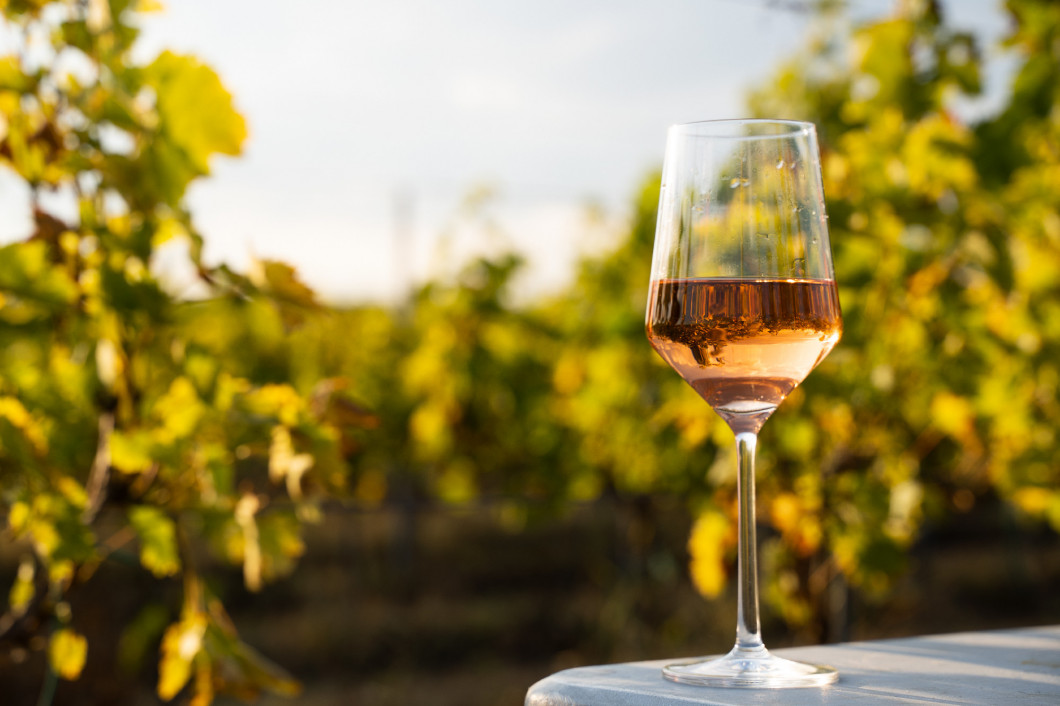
(743, 344)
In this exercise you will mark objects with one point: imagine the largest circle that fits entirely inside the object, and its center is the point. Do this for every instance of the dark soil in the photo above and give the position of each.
(457, 607)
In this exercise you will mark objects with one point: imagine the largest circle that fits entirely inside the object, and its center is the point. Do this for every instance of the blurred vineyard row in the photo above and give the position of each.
(141, 429)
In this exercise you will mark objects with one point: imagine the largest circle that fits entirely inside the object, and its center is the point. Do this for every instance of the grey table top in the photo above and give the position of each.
(993, 667)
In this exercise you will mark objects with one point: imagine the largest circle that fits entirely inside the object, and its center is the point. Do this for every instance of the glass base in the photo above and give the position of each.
(754, 668)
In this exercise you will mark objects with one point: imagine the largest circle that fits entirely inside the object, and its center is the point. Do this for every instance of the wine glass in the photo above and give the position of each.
(743, 305)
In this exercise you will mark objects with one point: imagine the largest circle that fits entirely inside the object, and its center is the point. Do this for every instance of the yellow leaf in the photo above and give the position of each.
(279, 401)
(168, 229)
(180, 409)
(707, 545)
(195, 110)
(1033, 500)
(109, 364)
(285, 464)
(60, 571)
(131, 452)
(430, 429)
(11, 76)
(246, 509)
(18, 517)
(181, 642)
(796, 522)
(456, 482)
(204, 687)
(952, 414)
(73, 491)
(227, 389)
(24, 588)
(785, 512)
(12, 409)
(66, 653)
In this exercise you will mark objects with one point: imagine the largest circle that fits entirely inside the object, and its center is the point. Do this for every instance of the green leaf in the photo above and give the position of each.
(127, 295)
(279, 281)
(141, 637)
(27, 273)
(240, 669)
(195, 109)
(158, 540)
(280, 539)
(13, 79)
(195, 120)
(25, 7)
(59, 536)
(77, 34)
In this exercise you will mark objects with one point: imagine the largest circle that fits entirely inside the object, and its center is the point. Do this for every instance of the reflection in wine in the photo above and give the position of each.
(743, 344)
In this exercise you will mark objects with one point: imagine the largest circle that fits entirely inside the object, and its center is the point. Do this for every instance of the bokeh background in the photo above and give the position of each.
(368, 416)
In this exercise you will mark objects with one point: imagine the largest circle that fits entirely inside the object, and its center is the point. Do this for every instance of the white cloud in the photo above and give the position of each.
(552, 101)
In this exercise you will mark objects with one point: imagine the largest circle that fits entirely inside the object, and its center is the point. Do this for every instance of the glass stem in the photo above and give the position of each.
(748, 632)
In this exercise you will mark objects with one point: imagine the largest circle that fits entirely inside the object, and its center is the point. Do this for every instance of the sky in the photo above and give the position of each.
(373, 124)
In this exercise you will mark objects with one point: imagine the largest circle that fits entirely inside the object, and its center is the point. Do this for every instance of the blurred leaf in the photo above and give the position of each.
(14, 413)
(12, 78)
(158, 540)
(24, 588)
(141, 637)
(179, 410)
(66, 653)
(131, 452)
(195, 111)
(240, 670)
(284, 464)
(245, 516)
(711, 536)
(181, 643)
(280, 537)
(26, 272)
(797, 523)
(281, 282)
(280, 402)
(952, 414)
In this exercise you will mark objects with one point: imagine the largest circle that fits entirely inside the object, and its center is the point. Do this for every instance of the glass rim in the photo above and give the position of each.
(725, 129)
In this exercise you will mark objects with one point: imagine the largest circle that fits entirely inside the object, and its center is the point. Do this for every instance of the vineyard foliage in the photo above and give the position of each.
(132, 418)
(946, 235)
(195, 432)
